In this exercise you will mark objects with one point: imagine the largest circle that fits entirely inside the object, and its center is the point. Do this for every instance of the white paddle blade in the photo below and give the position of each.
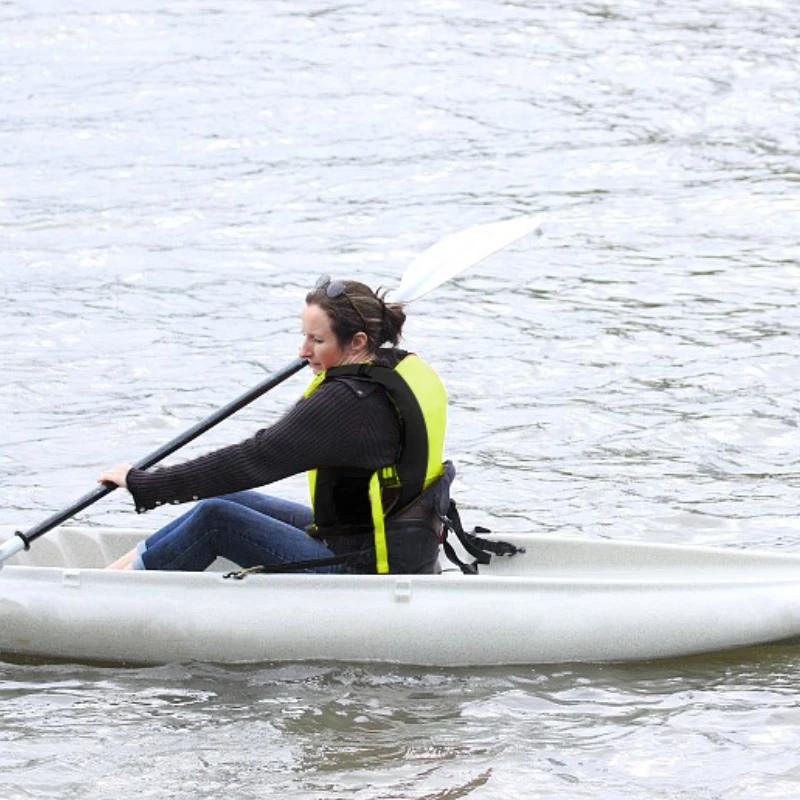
(456, 252)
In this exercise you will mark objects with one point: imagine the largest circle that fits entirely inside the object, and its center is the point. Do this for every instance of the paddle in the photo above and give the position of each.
(444, 260)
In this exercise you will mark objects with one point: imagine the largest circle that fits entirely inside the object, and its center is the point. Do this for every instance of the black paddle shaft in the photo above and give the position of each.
(170, 447)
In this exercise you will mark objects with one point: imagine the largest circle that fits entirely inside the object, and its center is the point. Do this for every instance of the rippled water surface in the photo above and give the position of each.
(174, 176)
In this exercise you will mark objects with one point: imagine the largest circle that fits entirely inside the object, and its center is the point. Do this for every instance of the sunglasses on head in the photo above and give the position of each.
(337, 288)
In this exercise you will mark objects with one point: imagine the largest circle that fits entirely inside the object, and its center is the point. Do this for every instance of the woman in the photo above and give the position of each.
(369, 430)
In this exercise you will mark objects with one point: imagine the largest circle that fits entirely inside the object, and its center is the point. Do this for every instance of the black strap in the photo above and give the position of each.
(295, 566)
(480, 549)
(467, 569)
(412, 463)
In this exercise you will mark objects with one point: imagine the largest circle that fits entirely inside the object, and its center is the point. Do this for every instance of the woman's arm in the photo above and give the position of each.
(343, 423)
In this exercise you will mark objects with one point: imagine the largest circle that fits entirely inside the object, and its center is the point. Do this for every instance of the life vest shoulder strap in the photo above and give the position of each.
(412, 463)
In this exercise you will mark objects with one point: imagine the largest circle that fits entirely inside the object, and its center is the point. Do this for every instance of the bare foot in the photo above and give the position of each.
(125, 562)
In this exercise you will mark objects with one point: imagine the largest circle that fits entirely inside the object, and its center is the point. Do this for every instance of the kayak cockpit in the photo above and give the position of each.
(83, 547)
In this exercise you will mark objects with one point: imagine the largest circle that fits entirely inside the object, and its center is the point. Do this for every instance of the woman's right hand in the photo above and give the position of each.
(117, 474)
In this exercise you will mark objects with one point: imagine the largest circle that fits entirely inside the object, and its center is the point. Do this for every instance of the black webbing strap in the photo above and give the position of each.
(467, 569)
(412, 463)
(480, 549)
(296, 566)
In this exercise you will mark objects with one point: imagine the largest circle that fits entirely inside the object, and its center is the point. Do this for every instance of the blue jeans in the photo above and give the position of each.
(248, 528)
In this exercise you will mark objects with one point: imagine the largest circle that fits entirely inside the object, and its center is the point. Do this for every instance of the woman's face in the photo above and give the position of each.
(320, 347)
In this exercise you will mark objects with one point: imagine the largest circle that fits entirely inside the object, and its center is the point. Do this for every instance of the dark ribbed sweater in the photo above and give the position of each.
(343, 423)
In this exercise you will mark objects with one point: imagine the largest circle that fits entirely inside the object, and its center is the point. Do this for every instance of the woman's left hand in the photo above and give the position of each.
(117, 474)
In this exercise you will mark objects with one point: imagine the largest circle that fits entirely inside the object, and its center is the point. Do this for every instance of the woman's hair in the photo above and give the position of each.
(355, 307)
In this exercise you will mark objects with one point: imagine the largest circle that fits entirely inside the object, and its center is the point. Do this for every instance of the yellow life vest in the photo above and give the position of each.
(420, 400)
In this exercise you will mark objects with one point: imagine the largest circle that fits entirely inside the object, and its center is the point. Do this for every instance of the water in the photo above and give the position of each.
(175, 175)
(719, 727)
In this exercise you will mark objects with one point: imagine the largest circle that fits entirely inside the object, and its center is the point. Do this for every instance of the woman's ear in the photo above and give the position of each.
(359, 341)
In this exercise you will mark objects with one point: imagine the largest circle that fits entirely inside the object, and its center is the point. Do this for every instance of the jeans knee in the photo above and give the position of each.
(212, 510)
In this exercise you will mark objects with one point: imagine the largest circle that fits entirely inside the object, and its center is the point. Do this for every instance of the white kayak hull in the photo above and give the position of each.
(564, 600)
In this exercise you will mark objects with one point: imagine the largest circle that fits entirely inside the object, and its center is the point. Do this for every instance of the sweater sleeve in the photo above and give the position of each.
(341, 424)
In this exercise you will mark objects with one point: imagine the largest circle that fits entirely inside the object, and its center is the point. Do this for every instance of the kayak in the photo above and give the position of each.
(563, 600)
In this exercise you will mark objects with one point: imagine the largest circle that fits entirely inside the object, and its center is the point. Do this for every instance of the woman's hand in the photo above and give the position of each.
(117, 474)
